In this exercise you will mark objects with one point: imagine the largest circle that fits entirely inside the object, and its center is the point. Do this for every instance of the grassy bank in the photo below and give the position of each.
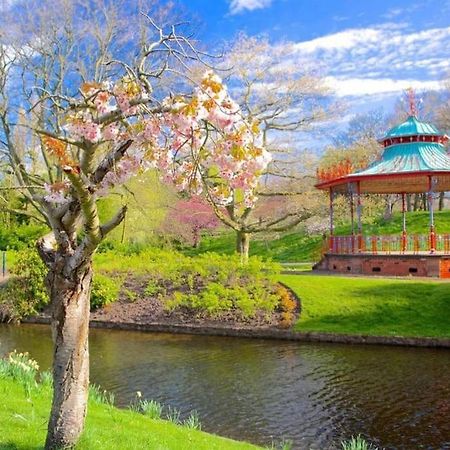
(23, 424)
(299, 246)
(383, 307)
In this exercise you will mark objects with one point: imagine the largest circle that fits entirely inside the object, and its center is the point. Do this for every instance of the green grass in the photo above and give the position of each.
(23, 424)
(383, 307)
(292, 247)
(298, 247)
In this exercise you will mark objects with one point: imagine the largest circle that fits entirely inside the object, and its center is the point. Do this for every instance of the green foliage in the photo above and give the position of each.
(154, 288)
(46, 379)
(97, 395)
(21, 368)
(216, 298)
(357, 443)
(25, 293)
(19, 237)
(105, 290)
(209, 283)
(193, 421)
(173, 415)
(152, 409)
(130, 295)
(147, 199)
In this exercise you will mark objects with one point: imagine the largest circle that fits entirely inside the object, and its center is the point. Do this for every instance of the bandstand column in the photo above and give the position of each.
(404, 235)
(358, 214)
(432, 237)
(331, 241)
(352, 216)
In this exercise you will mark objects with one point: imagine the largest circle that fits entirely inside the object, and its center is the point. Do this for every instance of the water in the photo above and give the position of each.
(262, 391)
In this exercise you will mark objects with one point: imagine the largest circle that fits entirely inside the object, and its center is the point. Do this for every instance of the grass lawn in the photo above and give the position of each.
(23, 424)
(298, 247)
(291, 247)
(384, 307)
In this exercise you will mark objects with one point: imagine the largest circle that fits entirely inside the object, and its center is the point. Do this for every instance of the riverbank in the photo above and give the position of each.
(23, 425)
(261, 333)
(351, 310)
(163, 291)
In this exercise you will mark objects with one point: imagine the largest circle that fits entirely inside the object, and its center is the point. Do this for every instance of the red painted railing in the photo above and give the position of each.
(413, 243)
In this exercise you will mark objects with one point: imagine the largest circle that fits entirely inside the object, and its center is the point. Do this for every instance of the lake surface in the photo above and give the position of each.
(262, 391)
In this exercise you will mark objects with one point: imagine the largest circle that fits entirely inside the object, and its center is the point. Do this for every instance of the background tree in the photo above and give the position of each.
(283, 99)
(148, 201)
(94, 134)
(358, 145)
(187, 219)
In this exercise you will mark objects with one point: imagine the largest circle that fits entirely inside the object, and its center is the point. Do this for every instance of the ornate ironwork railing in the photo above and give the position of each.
(412, 243)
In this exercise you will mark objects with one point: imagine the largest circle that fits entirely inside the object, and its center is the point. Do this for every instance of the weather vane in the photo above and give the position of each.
(412, 101)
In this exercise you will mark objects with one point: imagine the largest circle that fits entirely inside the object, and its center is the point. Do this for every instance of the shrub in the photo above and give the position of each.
(25, 293)
(209, 283)
(288, 307)
(20, 237)
(154, 288)
(105, 290)
(357, 443)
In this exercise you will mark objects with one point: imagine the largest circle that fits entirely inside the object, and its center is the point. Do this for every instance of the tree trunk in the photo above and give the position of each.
(416, 202)
(196, 238)
(243, 244)
(408, 203)
(424, 202)
(70, 326)
(388, 209)
(441, 200)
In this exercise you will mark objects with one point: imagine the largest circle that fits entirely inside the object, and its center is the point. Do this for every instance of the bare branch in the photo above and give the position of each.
(114, 222)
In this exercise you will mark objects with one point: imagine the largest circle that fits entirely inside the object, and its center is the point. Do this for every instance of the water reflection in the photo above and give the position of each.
(259, 390)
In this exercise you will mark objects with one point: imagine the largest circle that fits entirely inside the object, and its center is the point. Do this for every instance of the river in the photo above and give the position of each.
(264, 391)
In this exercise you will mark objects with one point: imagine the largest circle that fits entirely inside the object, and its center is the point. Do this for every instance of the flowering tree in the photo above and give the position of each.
(283, 98)
(113, 129)
(189, 218)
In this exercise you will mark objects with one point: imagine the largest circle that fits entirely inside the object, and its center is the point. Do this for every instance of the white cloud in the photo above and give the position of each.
(367, 86)
(379, 59)
(343, 40)
(237, 6)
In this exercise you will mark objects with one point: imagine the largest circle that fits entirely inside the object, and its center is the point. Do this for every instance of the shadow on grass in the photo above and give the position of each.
(404, 309)
(8, 446)
(12, 446)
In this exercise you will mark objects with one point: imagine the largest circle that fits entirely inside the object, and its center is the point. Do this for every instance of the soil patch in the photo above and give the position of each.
(134, 306)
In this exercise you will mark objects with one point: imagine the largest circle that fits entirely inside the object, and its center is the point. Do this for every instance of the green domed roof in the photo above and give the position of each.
(412, 127)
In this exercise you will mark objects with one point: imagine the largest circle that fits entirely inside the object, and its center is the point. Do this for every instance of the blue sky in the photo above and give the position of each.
(369, 51)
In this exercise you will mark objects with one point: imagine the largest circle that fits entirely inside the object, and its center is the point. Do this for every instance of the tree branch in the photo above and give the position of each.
(114, 222)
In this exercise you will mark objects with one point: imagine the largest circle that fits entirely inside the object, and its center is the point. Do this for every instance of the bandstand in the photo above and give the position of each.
(414, 160)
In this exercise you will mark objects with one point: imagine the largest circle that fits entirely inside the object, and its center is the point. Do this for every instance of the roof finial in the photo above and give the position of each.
(412, 101)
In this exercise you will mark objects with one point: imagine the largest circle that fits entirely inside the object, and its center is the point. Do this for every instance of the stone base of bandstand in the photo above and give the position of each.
(420, 265)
